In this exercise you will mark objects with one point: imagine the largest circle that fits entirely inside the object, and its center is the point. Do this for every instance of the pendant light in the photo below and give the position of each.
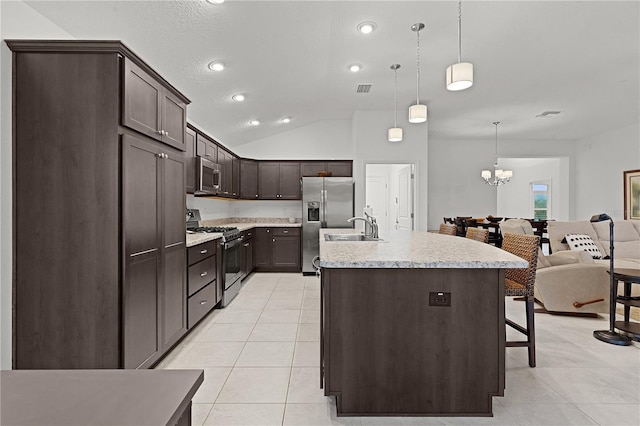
(459, 75)
(417, 112)
(395, 133)
(500, 176)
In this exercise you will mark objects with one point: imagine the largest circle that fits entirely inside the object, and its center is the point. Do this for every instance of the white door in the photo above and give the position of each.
(376, 199)
(405, 198)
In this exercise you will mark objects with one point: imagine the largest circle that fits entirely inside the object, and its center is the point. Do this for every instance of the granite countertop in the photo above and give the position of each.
(241, 223)
(403, 249)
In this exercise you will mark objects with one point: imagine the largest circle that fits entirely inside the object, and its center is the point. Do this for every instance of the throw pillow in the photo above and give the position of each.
(581, 242)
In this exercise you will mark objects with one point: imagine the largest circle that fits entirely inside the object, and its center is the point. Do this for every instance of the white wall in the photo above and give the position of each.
(514, 199)
(600, 162)
(455, 185)
(371, 147)
(17, 20)
(327, 139)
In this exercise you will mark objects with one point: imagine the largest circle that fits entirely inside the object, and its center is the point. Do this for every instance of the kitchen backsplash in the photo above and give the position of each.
(221, 209)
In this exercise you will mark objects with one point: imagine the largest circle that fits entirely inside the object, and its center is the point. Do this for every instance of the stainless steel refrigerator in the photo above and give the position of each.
(326, 203)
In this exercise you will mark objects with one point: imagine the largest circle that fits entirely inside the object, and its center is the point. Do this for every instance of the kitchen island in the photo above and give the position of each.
(413, 325)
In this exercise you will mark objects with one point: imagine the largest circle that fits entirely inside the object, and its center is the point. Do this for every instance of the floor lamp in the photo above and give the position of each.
(610, 336)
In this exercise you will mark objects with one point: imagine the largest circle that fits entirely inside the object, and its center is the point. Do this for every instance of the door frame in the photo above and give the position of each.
(415, 195)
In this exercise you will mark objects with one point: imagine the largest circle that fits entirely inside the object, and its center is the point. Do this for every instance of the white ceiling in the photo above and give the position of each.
(290, 58)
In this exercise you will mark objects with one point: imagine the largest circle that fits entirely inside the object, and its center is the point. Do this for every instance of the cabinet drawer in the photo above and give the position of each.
(248, 234)
(201, 303)
(196, 253)
(201, 274)
(285, 232)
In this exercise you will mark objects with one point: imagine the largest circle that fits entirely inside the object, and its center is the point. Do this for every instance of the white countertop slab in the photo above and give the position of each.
(203, 237)
(404, 249)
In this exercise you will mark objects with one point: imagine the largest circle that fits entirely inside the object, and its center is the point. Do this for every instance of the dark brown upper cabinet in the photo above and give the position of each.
(151, 109)
(339, 168)
(190, 160)
(249, 179)
(206, 148)
(279, 180)
(235, 184)
(225, 160)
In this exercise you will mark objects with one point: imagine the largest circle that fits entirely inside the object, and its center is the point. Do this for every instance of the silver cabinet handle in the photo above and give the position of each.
(203, 251)
(166, 133)
(256, 195)
(159, 132)
(246, 244)
(286, 231)
(207, 155)
(249, 234)
(204, 274)
(234, 193)
(203, 302)
(274, 240)
(268, 230)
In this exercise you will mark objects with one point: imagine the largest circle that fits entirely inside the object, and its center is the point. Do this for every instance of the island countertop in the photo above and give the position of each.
(417, 249)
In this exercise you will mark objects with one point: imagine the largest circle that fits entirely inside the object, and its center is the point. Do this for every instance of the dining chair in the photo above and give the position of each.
(478, 234)
(519, 282)
(447, 229)
(448, 220)
(461, 226)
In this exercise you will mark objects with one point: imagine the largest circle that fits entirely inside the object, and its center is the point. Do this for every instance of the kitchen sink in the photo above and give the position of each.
(349, 237)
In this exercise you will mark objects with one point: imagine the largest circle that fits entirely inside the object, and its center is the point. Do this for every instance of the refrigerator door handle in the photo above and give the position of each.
(323, 223)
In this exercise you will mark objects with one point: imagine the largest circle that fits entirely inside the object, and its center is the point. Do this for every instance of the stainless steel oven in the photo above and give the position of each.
(207, 177)
(231, 269)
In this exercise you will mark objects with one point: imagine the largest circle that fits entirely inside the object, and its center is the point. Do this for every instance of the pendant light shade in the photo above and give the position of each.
(417, 112)
(394, 134)
(460, 74)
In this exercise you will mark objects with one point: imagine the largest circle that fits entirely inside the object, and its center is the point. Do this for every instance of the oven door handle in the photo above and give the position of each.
(232, 244)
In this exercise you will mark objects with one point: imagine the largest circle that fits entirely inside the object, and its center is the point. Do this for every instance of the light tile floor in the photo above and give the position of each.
(261, 357)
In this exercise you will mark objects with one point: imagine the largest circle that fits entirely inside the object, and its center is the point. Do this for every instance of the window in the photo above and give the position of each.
(541, 200)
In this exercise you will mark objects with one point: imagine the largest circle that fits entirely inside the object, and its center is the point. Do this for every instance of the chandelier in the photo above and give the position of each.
(500, 177)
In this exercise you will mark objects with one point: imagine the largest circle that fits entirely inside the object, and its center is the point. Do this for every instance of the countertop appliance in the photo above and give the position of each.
(207, 177)
(231, 244)
(327, 202)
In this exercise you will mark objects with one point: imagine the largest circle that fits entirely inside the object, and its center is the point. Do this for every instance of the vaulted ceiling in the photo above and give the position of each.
(291, 58)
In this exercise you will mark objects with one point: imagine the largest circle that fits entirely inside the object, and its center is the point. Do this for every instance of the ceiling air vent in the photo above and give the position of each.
(548, 113)
(363, 88)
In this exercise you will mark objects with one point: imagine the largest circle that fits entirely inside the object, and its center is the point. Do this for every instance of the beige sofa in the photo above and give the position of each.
(626, 239)
(566, 277)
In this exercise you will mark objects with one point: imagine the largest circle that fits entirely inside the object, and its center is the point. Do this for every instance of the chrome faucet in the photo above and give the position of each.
(370, 225)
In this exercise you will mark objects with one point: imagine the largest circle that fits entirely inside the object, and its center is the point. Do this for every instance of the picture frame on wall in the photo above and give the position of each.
(632, 194)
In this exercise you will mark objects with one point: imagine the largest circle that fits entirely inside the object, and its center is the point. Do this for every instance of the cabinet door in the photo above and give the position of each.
(249, 257)
(142, 101)
(286, 252)
(206, 148)
(235, 184)
(226, 164)
(190, 160)
(340, 168)
(248, 179)
(141, 224)
(312, 168)
(262, 251)
(174, 266)
(289, 181)
(268, 180)
(174, 120)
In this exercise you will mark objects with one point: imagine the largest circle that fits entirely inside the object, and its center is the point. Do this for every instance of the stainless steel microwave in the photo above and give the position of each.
(207, 177)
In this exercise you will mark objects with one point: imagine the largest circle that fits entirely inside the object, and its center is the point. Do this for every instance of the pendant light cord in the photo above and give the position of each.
(459, 31)
(495, 123)
(395, 96)
(418, 69)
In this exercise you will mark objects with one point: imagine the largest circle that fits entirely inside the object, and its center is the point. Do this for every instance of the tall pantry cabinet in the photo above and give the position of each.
(99, 273)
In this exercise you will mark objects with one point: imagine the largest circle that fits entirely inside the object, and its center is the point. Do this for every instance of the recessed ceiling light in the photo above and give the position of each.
(254, 122)
(366, 27)
(239, 97)
(215, 1)
(216, 66)
(286, 120)
(355, 67)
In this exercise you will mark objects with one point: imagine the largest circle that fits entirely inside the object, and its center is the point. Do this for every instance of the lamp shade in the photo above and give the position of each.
(417, 113)
(460, 76)
(395, 134)
(486, 174)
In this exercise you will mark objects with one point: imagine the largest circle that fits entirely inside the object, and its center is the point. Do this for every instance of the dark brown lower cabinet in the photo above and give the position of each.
(154, 288)
(277, 249)
(204, 290)
(248, 263)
